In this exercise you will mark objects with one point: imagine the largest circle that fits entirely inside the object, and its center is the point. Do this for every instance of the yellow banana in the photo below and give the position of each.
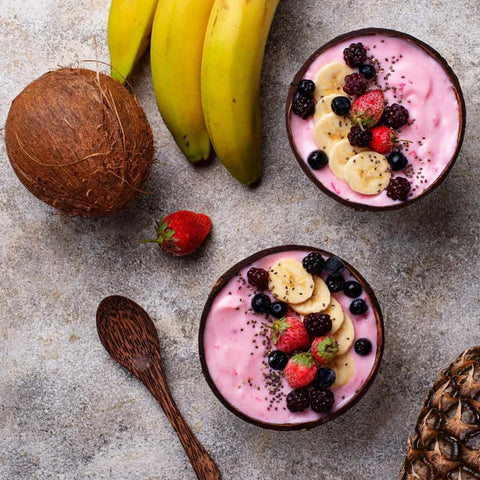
(176, 56)
(231, 67)
(129, 28)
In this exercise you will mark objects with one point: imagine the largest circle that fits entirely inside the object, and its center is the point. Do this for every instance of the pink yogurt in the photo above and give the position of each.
(428, 94)
(236, 365)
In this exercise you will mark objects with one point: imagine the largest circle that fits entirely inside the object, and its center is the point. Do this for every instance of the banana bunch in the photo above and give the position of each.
(206, 58)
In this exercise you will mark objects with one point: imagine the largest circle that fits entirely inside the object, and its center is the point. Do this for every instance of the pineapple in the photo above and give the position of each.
(446, 442)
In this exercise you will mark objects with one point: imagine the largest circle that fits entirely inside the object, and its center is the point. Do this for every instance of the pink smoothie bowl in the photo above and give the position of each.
(411, 73)
(234, 352)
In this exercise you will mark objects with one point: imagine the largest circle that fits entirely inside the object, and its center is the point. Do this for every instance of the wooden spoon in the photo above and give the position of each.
(129, 336)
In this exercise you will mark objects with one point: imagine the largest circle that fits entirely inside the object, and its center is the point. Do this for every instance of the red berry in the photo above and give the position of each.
(383, 139)
(355, 84)
(289, 334)
(300, 370)
(367, 110)
(324, 349)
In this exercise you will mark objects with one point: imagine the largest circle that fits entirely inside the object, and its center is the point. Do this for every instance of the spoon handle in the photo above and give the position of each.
(205, 468)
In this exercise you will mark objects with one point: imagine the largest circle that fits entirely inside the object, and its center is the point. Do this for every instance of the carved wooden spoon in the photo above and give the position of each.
(129, 336)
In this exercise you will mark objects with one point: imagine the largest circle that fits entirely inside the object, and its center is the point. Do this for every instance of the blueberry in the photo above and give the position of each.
(325, 378)
(277, 360)
(334, 266)
(306, 87)
(363, 346)
(278, 309)
(317, 160)
(352, 289)
(335, 284)
(397, 160)
(341, 106)
(358, 307)
(368, 71)
(261, 303)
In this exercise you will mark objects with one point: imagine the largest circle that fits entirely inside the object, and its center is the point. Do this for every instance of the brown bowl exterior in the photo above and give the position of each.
(223, 280)
(427, 49)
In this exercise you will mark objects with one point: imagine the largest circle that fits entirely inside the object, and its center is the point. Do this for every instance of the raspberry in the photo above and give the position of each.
(303, 106)
(313, 263)
(321, 400)
(355, 55)
(358, 137)
(395, 116)
(398, 188)
(297, 400)
(355, 84)
(258, 278)
(317, 324)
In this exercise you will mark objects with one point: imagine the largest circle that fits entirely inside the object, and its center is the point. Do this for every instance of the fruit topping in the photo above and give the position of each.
(355, 55)
(335, 311)
(383, 139)
(345, 336)
(277, 360)
(324, 349)
(289, 334)
(300, 370)
(368, 71)
(359, 137)
(367, 109)
(355, 84)
(306, 87)
(397, 160)
(341, 106)
(329, 130)
(321, 401)
(398, 188)
(317, 160)
(335, 284)
(344, 368)
(363, 346)
(313, 263)
(358, 307)
(258, 278)
(331, 79)
(368, 173)
(352, 289)
(318, 302)
(290, 282)
(334, 266)
(317, 324)
(395, 116)
(278, 309)
(298, 400)
(325, 377)
(261, 303)
(303, 106)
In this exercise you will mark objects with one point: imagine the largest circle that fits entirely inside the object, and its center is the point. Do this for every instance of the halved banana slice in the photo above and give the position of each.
(345, 336)
(339, 156)
(331, 79)
(318, 302)
(290, 282)
(323, 106)
(344, 368)
(329, 130)
(337, 316)
(368, 173)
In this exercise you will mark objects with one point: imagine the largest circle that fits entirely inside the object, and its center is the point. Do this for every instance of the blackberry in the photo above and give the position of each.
(358, 307)
(297, 400)
(395, 116)
(325, 377)
(313, 263)
(334, 266)
(355, 84)
(397, 160)
(355, 55)
(278, 309)
(398, 188)
(368, 71)
(321, 400)
(261, 303)
(317, 324)
(341, 106)
(258, 278)
(303, 106)
(363, 346)
(277, 360)
(352, 289)
(317, 159)
(335, 284)
(358, 137)
(306, 87)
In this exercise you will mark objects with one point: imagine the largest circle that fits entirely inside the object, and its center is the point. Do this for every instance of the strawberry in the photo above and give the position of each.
(289, 334)
(383, 139)
(181, 233)
(367, 109)
(300, 370)
(324, 349)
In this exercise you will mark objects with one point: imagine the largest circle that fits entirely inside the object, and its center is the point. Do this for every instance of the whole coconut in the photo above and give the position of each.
(79, 141)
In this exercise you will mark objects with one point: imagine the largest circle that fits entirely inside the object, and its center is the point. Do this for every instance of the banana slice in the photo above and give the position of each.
(339, 156)
(336, 315)
(345, 336)
(290, 282)
(323, 106)
(331, 79)
(318, 302)
(368, 173)
(329, 130)
(344, 368)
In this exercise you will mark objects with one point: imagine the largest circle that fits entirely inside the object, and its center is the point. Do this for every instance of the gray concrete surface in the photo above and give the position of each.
(67, 411)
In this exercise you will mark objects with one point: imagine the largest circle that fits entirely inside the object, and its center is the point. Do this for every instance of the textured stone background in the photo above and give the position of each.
(67, 411)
